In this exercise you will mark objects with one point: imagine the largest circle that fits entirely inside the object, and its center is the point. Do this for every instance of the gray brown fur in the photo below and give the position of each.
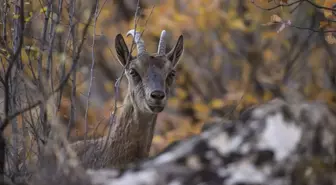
(150, 78)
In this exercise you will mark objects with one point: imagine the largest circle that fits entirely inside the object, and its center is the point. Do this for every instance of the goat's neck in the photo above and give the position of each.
(132, 134)
(132, 115)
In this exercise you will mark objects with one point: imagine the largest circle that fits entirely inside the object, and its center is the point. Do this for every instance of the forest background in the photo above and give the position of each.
(237, 54)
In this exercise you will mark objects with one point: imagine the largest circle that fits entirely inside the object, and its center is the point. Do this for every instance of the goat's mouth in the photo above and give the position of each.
(156, 108)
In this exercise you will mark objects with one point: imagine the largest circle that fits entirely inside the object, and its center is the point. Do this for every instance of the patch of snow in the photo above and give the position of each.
(175, 182)
(279, 135)
(244, 171)
(224, 144)
(144, 177)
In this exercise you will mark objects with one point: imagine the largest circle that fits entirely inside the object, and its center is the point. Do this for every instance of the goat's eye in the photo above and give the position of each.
(133, 73)
(170, 77)
(172, 74)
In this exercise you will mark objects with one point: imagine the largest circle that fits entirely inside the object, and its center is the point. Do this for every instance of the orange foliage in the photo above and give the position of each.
(232, 61)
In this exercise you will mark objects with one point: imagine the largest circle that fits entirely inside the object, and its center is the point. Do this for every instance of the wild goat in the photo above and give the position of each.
(150, 78)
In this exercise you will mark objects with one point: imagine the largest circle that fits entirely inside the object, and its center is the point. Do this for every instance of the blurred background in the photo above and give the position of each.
(234, 58)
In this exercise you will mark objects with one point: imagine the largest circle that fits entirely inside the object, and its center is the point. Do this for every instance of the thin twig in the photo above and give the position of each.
(74, 72)
(62, 67)
(43, 117)
(8, 118)
(91, 73)
(4, 21)
(277, 6)
(13, 60)
(51, 45)
(293, 3)
(321, 7)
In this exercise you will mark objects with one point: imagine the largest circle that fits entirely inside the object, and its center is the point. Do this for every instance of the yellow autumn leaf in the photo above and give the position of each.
(200, 107)
(237, 24)
(250, 99)
(201, 20)
(59, 29)
(268, 54)
(276, 18)
(319, 2)
(105, 13)
(181, 18)
(330, 38)
(202, 110)
(196, 129)
(323, 24)
(268, 35)
(173, 102)
(267, 96)
(171, 136)
(158, 139)
(329, 4)
(181, 93)
(30, 15)
(44, 9)
(217, 103)
(16, 16)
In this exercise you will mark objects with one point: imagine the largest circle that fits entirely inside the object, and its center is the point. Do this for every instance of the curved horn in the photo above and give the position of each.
(138, 41)
(162, 43)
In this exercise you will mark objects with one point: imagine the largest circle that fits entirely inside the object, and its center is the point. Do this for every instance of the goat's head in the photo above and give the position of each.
(150, 76)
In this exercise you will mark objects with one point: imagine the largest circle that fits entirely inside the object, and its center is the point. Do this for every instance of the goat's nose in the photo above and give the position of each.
(158, 95)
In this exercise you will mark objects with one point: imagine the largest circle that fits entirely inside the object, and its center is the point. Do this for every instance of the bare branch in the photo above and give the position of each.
(12, 60)
(320, 7)
(74, 78)
(277, 6)
(8, 118)
(91, 72)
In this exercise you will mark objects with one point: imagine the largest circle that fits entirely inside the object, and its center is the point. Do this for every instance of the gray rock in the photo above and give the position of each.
(276, 143)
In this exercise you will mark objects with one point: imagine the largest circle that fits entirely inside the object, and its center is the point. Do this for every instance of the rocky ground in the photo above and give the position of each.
(277, 143)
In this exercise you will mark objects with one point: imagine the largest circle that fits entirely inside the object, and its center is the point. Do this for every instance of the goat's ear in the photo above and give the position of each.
(175, 54)
(121, 49)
